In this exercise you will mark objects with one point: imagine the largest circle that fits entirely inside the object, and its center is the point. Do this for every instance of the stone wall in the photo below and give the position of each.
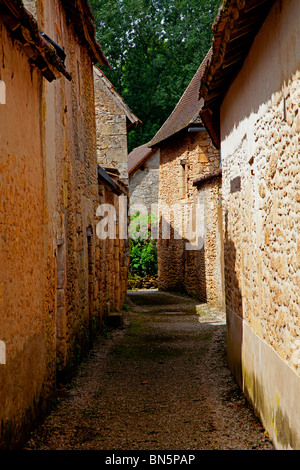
(49, 280)
(71, 190)
(181, 268)
(260, 129)
(113, 256)
(211, 287)
(144, 183)
(31, 6)
(111, 125)
(112, 117)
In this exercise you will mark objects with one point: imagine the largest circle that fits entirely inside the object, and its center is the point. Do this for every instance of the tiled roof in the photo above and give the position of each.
(105, 179)
(186, 110)
(202, 179)
(234, 29)
(137, 157)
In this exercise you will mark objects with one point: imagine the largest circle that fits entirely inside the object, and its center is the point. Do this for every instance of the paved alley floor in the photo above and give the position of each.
(158, 383)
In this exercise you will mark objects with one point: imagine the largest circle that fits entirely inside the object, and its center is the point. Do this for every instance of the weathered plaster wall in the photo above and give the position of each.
(144, 183)
(260, 128)
(179, 268)
(111, 125)
(23, 285)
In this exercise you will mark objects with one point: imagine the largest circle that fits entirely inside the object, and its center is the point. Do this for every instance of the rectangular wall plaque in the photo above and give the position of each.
(235, 184)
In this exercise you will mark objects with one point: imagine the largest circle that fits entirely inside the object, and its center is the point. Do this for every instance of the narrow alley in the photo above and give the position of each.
(160, 382)
(149, 225)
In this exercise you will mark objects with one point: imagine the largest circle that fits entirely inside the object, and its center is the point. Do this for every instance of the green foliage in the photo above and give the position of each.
(143, 257)
(154, 48)
(143, 249)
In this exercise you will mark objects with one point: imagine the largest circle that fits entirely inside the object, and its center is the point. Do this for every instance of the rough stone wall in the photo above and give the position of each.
(113, 257)
(179, 268)
(144, 183)
(260, 145)
(27, 373)
(111, 130)
(31, 6)
(262, 227)
(111, 148)
(262, 222)
(212, 279)
(49, 293)
(72, 190)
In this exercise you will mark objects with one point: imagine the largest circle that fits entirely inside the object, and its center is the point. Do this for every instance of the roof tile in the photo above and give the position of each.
(137, 156)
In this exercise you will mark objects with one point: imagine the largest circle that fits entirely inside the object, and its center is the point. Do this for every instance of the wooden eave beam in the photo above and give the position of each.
(255, 5)
(23, 28)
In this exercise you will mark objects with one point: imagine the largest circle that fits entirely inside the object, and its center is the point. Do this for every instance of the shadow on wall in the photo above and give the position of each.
(195, 274)
(179, 269)
(234, 308)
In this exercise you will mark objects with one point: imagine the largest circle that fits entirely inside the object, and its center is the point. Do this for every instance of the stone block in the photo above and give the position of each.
(279, 264)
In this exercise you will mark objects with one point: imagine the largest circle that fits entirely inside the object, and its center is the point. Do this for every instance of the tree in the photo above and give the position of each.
(154, 48)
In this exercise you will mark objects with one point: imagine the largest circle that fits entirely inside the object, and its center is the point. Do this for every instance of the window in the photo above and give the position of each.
(182, 179)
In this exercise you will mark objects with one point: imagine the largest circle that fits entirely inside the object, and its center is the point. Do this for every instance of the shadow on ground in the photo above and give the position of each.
(154, 297)
(160, 382)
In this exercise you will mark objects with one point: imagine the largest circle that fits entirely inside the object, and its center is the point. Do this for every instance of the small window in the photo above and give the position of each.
(182, 179)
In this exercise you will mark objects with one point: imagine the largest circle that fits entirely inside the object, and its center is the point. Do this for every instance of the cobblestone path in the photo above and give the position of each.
(159, 383)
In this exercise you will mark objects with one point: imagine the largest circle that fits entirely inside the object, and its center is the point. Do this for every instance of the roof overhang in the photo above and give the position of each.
(234, 30)
(105, 179)
(23, 28)
(80, 16)
(140, 163)
(205, 178)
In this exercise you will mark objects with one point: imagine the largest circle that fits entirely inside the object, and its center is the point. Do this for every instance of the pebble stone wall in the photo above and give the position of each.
(260, 129)
(179, 268)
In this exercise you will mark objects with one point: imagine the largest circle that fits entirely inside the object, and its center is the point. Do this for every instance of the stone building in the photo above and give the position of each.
(49, 280)
(113, 249)
(211, 276)
(114, 119)
(143, 172)
(186, 153)
(251, 92)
